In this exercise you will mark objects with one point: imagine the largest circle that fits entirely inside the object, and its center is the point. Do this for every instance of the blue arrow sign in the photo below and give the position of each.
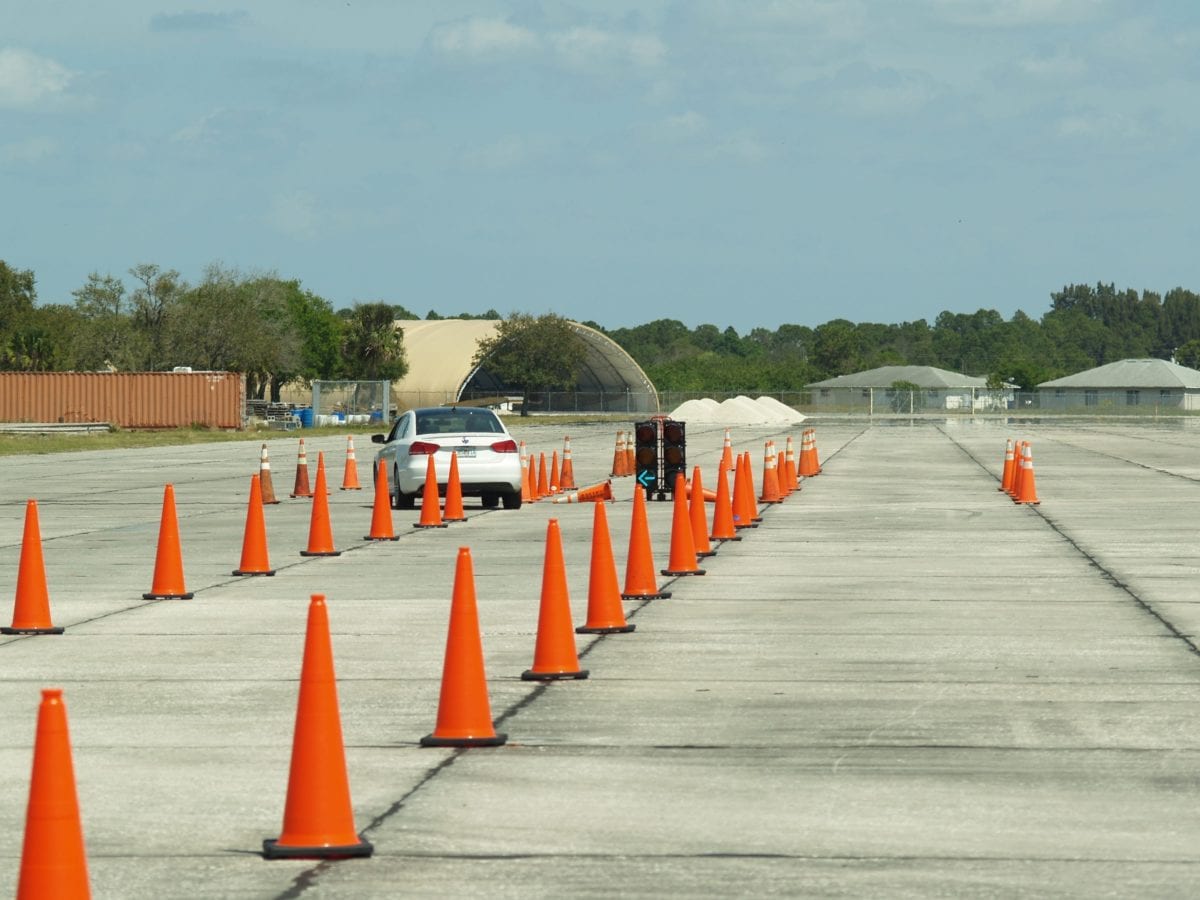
(646, 478)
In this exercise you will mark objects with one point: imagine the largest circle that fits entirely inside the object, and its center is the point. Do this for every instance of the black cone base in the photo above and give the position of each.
(255, 572)
(52, 630)
(659, 595)
(530, 675)
(687, 572)
(274, 850)
(736, 537)
(431, 740)
(440, 525)
(615, 629)
(320, 552)
(706, 553)
(188, 596)
(367, 537)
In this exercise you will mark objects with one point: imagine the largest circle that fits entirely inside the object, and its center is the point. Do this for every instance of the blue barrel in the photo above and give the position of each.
(305, 413)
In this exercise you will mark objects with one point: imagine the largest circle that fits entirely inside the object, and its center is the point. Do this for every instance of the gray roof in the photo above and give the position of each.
(1131, 373)
(926, 377)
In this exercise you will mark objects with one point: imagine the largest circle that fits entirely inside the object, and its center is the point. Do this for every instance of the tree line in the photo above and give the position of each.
(275, 332)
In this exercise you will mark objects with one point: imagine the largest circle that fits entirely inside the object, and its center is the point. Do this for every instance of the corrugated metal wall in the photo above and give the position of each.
(125, 399)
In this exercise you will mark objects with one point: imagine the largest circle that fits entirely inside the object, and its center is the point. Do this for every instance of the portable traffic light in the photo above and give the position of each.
(645, 454)
(674, 452)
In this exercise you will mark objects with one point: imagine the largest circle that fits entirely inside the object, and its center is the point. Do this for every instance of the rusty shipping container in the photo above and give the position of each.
(125, 399)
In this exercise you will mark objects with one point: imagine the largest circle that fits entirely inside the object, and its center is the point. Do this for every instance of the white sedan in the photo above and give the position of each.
(489, 466)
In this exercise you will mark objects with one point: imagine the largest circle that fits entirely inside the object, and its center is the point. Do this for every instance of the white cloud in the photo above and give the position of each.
(508, 152)
(743, 148)
(476, 39)
(1058, 66)
(294, 213)
(1017, 13)
(1095, 125)
(27, 79)
(28, 151)
(681, 127)
(592, 48)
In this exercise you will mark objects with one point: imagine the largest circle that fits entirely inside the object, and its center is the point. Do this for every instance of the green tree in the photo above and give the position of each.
(105, 337)
(532, 353)
(154, 301)
(372, 345)
(1188, 354)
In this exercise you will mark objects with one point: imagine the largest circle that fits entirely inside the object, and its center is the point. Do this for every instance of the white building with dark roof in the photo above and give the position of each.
(938, 389)
(1125, 383)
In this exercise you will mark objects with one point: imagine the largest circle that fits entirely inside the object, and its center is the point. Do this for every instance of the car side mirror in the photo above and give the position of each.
(378, 439)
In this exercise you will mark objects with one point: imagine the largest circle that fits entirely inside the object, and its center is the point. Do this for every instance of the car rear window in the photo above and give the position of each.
(459, 420)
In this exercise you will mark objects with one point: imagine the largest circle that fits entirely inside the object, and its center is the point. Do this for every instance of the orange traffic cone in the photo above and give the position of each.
(727, 452)
(320, 532)
(789, 457)
(722, 527)
(381, 512)
(640, 581)
(543, 478)
(168, 562)
(604, 615)
(618, 465)
(630, 453)
(554, 654)
(527, 491)
(1006, 474)
(682, 560)
(350, 478)
(698, 516)
(1027, 491)
(264, 476)
(464, 716)
(254, 540)
(555, 484)
(318, 821)
(750, 501)
(454, 511)
(1018, 471)
(301, 488)
(567, 477)
(53, 858)
(431, 514)
(785, 488)
(743, 513)
(770, 492)
(31, 610)
(600, 491)
(812, 448)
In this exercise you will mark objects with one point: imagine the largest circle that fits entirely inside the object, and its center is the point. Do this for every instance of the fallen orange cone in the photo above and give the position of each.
(31, 609)
(168, 561)
(464, 716)
(318, 820)
(53, 858)
(591, 493)
(604, 615)
(254, 540)
(554, 654)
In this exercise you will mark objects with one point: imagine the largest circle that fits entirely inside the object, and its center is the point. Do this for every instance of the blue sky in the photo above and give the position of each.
(737, 163)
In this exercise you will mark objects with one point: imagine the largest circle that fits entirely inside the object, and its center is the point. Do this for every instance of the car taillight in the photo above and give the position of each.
(509, 446)
(416, 448)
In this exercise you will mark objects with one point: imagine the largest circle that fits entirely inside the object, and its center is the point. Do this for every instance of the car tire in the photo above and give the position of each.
(511, 500)
(490, 501)
(401, 500)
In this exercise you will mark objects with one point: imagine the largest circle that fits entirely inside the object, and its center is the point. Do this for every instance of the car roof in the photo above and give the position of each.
(456, 419)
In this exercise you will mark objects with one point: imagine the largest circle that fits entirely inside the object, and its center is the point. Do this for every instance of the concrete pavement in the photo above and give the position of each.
(901, 684)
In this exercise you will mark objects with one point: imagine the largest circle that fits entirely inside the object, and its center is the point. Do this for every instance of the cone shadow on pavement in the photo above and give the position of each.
(53, 858)
(554, 655)
(464, 716)
(168, 561)
(318, 820)
(31, 609)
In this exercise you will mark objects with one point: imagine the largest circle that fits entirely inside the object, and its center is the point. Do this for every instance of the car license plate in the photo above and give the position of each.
(465, 452)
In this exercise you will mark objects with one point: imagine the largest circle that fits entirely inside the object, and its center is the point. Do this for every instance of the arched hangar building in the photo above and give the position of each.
(440, 370)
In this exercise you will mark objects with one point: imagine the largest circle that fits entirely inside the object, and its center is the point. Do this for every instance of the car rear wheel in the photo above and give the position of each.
(401, 500)
(512, 500)
(489, 501)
